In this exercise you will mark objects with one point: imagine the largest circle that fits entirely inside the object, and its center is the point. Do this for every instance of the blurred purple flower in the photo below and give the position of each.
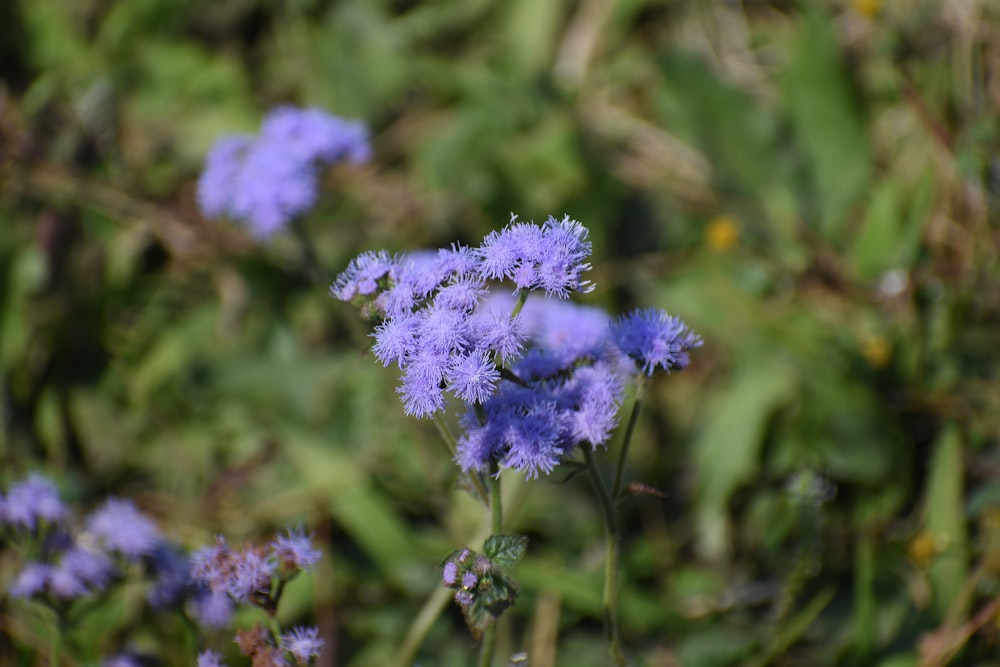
(32, 500)
(123, 528)
(31, 580)
(303, 643)
(213, 610)
(268, 180)
(294, 551)
(251, 575)
(210, 659)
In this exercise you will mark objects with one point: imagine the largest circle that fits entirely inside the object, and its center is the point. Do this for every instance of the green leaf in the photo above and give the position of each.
(727, 451)
(828, 121)
(946, 521)
(505, 550)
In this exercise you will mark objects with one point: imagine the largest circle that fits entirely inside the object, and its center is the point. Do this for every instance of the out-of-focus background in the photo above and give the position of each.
(813, 186)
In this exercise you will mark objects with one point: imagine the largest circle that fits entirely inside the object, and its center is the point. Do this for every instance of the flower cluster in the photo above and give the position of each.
(70, 559)
(482, 590)
(255, 575)
(267, 180)
(565, 364)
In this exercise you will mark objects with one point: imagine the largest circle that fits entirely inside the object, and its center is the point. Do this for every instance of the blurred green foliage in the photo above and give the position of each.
(813, 186)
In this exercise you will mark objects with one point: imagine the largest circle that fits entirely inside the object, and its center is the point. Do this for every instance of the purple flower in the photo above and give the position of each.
(172, 572)
(273, 186)
(31, 580)
(450, 574)
(312, 135)
(421, 385)
(65, 584)
(35, 499)
(266, 181)
(210, 659)
(123, 528)
(303, 643)
(213, 610)
(396, 339)
(469, 580)
(361, 276)
(596, 393)
(213, 566)
(222, 167)
(473, 377)
(294, 552)
(251, 576)
(550, 257)
(463, 597)
(91, 569)
(654, 339)
(126, 659)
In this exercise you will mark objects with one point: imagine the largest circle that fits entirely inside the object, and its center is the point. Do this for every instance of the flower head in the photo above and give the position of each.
(123, 528)
(210, 659)
(294, 551)
(32, 500)
(268, 180)
(652, 338)
(303, 643)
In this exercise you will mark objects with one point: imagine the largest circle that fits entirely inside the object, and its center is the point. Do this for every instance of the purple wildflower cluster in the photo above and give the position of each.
(75, 561)
(566, 364)
(267, 180)
(255, 575)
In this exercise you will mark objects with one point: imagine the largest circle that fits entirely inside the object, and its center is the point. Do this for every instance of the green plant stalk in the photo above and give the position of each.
(616, 489)
(449, 441)
(611, 558)
(496, 528)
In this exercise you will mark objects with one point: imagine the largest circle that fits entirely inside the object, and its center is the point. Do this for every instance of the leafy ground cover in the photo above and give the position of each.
(813, 187)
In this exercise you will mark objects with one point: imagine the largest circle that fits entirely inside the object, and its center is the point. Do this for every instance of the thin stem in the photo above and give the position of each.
(489, 643)
(611, 558)
(616, 489)
(421, 626)
(452, 445)
(496, 528)
(496, 506)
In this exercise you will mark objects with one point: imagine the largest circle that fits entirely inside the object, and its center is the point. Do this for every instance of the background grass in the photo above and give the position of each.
(813, 186)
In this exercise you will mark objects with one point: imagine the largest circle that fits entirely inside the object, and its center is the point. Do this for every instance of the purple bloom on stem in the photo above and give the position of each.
(314, 135)
(222, 168)
(31, 500)
(597, 395)
(65, 584)
(421, 386)
(396, 339)
(295, 551)
(123, 528)
(213, 565)
(533, 440)
(463, 597)
(210, 659)
(92, 568)
(473, 377)
(361, 276)
(213, 610)
(31, 580)
(303, 643)
(251, 576)
(268, 180)
(450, 574)
(654, 339)
(469, 579)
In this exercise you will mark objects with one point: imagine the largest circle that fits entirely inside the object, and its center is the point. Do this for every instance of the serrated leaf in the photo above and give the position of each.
(505, 550)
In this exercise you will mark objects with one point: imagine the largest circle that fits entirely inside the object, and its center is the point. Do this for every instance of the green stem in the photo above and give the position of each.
(55, 648)
(496, 528)
(496, 506)
(611, 559)
(452, 445)
(616, 489)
